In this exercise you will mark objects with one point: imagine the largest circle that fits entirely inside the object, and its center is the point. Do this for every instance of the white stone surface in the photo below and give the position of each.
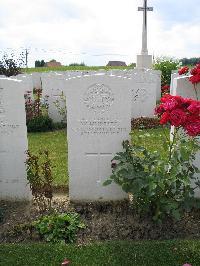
(144, 61)
(53, 86)
(13, 141)
(183, 87)
(36, 77)
(144, 91)
(98, 119)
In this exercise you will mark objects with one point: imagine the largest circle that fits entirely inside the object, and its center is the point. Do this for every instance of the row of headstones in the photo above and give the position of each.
(146, 89)
(99, 115)
(99, 118)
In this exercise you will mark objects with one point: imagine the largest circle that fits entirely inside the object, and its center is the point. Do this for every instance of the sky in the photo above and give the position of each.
(97, 31)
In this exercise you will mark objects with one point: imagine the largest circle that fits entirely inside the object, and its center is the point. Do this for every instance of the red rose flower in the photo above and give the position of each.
(183, 70)
(178, 117)
(165, 88)
(193, 127)
(164, 118)
(159, 109)
(194, 107)
(170, 104)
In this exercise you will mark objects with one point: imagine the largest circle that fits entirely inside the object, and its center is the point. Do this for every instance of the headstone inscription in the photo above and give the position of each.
(98, 119)
(13, 141)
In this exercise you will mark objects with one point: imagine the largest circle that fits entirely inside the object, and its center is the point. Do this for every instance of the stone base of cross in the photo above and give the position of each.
(144, 61)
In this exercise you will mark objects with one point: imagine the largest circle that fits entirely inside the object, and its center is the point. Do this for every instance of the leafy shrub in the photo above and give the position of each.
(59, 227)
(160, 186)
(166, 65)
(40, 124)
(39, 175)
(9, 66)
(144, 123)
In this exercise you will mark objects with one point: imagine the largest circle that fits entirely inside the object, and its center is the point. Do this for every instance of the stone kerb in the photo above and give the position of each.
(183, 87)
(98, 119)
(13, 141)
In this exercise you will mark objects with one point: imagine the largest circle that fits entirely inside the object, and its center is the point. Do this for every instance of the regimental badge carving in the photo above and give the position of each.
(140, 95)
(98, 98)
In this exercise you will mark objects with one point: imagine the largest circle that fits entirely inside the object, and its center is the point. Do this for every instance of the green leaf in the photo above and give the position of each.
(107, 182)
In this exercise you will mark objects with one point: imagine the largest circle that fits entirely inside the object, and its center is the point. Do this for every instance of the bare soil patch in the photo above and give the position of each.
(104, 221)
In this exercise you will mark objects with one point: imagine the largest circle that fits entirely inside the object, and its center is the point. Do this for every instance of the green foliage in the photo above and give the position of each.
(190, 61)
(40, 123)
(77, 64)
(10, 65)
(39, 63)
(160, 186)
(72, 68)
(39, 175)
(166, 65)
(59, 227)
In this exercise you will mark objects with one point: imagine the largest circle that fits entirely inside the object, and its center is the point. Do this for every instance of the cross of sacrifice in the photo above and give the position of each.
(144, 31)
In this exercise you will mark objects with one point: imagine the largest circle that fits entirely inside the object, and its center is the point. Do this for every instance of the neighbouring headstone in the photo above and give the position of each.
(183, 87)
(13, 141)
(144, 91)
(53, 87)
(98, 119)
(36, 78)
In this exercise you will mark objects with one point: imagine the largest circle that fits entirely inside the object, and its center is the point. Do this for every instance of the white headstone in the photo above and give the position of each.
(13, 141)
(183, 87)
(144, 91)
(98, 119)
(53, 87)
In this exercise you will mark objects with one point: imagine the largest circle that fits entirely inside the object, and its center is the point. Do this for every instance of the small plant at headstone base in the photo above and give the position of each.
(161, 186)
(193, 76)
(39, 175)
(59, 227)
(62, 109)
(10, 65)
(166, 65)
(37, 118)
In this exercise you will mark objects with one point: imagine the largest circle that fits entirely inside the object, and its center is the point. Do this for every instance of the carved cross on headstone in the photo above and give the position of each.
(144, 31)
(99, 156)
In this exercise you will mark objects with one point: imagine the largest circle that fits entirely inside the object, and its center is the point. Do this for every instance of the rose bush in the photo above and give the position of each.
(193, 75)
(162, 186)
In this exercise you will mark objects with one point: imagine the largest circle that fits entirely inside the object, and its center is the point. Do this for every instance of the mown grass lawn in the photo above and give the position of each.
(56, 143)
(116, 253)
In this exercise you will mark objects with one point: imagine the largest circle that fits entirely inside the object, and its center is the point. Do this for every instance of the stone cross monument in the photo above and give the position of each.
(144, 60)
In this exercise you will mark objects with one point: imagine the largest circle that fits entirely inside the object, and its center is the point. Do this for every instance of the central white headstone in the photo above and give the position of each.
(99, 119)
